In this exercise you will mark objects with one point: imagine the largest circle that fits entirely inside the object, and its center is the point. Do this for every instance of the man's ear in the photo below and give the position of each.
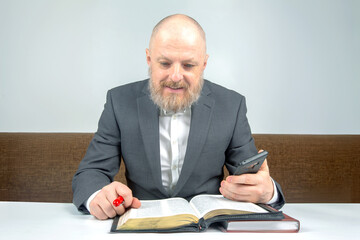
(148, 57)
(205, 61)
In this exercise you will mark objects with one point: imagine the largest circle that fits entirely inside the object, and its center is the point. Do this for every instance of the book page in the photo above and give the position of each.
(207, 203)
(158, 214)
(162, 208)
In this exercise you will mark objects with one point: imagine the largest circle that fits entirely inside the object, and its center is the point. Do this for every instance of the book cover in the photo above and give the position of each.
(286, 225)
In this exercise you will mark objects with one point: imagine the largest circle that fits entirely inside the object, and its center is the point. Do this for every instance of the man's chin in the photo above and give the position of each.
(171, 99)
(173, 102)
(179, 96)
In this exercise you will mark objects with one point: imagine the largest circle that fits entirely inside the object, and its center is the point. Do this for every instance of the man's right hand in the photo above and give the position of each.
(102, 205)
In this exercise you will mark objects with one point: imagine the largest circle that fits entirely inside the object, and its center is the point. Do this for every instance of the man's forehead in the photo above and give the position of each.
(178, 35)
(166, 43)
(170, 58)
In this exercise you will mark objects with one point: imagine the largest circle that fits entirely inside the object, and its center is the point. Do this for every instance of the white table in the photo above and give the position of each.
(25, 220)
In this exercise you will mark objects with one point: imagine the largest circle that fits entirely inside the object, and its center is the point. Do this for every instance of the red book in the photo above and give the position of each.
(286, 225)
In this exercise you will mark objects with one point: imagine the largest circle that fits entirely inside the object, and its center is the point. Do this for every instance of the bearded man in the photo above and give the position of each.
(174, 132)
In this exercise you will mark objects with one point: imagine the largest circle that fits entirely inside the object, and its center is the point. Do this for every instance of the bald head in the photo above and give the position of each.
(178, 26)
(177, 59)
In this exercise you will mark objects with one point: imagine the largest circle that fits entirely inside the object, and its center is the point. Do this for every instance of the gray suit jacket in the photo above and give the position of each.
(129, 128)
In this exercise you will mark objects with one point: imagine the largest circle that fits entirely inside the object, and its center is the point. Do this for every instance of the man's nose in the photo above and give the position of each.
(176, 74)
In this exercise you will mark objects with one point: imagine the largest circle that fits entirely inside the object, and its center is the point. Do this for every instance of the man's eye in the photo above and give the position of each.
(165, 64)
(188, 65)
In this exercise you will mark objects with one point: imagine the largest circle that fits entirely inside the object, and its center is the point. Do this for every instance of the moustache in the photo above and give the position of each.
(175, 85)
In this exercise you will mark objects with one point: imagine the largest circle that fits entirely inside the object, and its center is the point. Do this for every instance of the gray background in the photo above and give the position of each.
(297, 62)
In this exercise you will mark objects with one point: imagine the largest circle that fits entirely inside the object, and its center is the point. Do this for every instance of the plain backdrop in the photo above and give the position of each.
(297, 62)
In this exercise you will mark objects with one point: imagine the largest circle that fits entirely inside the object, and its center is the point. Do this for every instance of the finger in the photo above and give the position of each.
(108, 210)
(97, 212)
(111, 196)
(107, 206)
(135, 203)
(239, 189)
(101, 208)
(107, 196)
(119, 210)
(231, 192)
(264, 166)
(248, 179)
(126, 193)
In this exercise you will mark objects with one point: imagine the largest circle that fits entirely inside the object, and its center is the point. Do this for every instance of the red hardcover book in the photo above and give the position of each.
(286, 225)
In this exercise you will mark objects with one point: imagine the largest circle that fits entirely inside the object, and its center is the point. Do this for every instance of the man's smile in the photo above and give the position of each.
(174, 89)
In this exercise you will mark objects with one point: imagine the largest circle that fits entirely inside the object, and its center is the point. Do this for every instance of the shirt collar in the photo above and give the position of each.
(170, 113)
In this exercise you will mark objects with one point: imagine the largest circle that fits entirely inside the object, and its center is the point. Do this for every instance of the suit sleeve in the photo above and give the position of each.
(102, 159)
(242, 146)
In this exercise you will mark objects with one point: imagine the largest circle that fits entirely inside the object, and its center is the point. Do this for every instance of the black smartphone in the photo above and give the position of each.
(252, 164)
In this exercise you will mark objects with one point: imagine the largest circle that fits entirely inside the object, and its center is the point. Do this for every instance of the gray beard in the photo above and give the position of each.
(172, 102)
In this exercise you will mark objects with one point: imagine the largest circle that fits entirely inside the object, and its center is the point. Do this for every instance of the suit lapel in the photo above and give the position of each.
(200, 121)
(149, 127)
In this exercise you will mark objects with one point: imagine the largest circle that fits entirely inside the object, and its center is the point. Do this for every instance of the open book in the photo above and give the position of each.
(179, 215)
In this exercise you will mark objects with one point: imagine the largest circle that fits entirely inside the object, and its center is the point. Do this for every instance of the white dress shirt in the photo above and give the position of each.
(174, 131)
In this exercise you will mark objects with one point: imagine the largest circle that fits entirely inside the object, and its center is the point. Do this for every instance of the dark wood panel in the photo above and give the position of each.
(315, 168)
(39, 166)
(310, 168)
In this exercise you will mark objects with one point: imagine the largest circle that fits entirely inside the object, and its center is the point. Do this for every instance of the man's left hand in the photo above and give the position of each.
(256, 188)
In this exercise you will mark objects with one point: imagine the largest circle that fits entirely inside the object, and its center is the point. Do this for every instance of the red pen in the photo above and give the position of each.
(119, 201)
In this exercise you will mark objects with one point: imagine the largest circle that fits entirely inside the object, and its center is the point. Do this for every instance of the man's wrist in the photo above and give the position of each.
(275, 197)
